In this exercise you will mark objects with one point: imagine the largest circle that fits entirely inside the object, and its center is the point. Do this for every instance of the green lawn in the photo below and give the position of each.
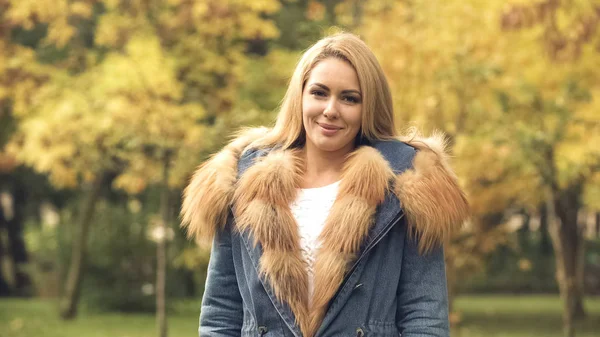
(482, 316)
(27, 318)
(520, 316)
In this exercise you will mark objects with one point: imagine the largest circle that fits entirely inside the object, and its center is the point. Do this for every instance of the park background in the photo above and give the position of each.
(107, 106)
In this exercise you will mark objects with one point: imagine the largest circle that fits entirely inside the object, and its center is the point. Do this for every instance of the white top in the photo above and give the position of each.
(310, 209)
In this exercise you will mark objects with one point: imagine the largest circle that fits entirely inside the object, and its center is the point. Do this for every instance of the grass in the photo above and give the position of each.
(520, 316)
(33, 318)
(482, 316)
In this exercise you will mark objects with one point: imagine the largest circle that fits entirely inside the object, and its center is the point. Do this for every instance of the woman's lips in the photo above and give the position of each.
(328, 129)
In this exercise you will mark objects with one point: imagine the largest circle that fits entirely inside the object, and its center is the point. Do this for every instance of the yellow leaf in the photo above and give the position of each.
(82, 9)
(315, 11)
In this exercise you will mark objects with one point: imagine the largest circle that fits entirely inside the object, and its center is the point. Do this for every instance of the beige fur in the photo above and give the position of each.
(262, 202)
(348, 223)
(429, 193)
(207, 198)
(434, 203)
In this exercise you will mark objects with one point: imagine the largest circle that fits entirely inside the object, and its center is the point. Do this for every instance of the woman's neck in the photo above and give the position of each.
(323, 167)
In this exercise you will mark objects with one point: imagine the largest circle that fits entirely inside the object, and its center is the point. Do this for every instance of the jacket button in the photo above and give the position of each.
(262, 330)
(360, 332)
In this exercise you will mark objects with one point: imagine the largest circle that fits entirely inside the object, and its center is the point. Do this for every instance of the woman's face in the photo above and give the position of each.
(332, 106)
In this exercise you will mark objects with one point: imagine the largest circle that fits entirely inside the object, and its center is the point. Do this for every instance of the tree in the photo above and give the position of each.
(441, 73)
(559, 142)
(519, 130)
(133, 81)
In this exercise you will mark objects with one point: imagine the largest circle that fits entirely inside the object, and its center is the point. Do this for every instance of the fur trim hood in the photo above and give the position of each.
(261, 196)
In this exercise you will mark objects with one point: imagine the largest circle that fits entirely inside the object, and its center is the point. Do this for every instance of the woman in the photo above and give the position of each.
(327, 225)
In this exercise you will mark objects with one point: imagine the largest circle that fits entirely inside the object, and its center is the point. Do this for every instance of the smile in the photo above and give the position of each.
(329, 126)
(328, 129)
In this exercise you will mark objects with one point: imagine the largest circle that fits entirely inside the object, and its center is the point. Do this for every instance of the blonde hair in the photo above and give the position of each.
(378, 113)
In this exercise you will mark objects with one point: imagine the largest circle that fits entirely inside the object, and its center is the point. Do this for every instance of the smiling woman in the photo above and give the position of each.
(331, 111)
(327, 224)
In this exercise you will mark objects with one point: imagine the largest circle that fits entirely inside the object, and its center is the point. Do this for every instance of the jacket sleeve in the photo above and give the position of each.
(422, 293)
(222, 309)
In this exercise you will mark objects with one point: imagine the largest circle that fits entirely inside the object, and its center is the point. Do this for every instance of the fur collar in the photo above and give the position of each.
(429, 193)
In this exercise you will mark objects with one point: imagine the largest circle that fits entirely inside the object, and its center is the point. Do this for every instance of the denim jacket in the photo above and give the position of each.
(379, 269)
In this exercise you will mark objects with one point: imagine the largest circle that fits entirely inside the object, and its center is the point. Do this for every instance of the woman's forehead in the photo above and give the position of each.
(334, 72)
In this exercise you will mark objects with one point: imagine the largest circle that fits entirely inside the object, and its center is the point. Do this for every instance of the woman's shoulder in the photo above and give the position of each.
(427, 186)
(398, 154)
(207, 197)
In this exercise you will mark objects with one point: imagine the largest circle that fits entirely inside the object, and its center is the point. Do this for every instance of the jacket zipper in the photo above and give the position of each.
(376, 241)
(368, 249)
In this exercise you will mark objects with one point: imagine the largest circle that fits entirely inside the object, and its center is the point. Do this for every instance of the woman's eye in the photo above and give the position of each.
(319, 93)
(352, 99)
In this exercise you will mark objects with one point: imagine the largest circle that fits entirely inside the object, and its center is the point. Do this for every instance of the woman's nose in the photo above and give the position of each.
(331, 111)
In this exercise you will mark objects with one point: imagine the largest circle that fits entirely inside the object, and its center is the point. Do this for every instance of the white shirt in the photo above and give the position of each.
(310, 209)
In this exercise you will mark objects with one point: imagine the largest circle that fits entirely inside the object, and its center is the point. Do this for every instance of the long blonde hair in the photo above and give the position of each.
(378, 113)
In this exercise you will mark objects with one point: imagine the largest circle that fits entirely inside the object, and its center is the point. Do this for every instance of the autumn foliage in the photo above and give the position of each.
(111, 87)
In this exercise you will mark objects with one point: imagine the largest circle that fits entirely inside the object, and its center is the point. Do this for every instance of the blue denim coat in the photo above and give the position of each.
(393, 284)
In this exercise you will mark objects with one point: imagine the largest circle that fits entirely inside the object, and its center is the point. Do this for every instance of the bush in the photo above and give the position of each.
(520, 266)
(121, 261)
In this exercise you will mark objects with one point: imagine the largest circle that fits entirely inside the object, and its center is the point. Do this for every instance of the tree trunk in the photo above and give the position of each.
(330, 15)
(598, 224)
(567, 207)
(567, 293)
(523, 232)
(580, 282)
(4, 287)
(357, 14)
(580, 271)
(16, 243)
(161, 255)
(568, 241)
(70, 300)
(545, 243)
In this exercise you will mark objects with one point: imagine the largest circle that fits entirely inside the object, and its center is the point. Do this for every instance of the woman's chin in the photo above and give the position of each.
(332, 146)
(333, 143)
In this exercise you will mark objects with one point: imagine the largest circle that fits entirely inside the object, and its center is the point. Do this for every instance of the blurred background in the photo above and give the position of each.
(107, 106)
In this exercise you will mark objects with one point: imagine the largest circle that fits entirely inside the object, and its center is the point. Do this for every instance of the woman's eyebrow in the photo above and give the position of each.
(320, 85)
(347, 91)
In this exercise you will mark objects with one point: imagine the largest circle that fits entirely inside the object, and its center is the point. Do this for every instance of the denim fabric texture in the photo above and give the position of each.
(390, 290)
